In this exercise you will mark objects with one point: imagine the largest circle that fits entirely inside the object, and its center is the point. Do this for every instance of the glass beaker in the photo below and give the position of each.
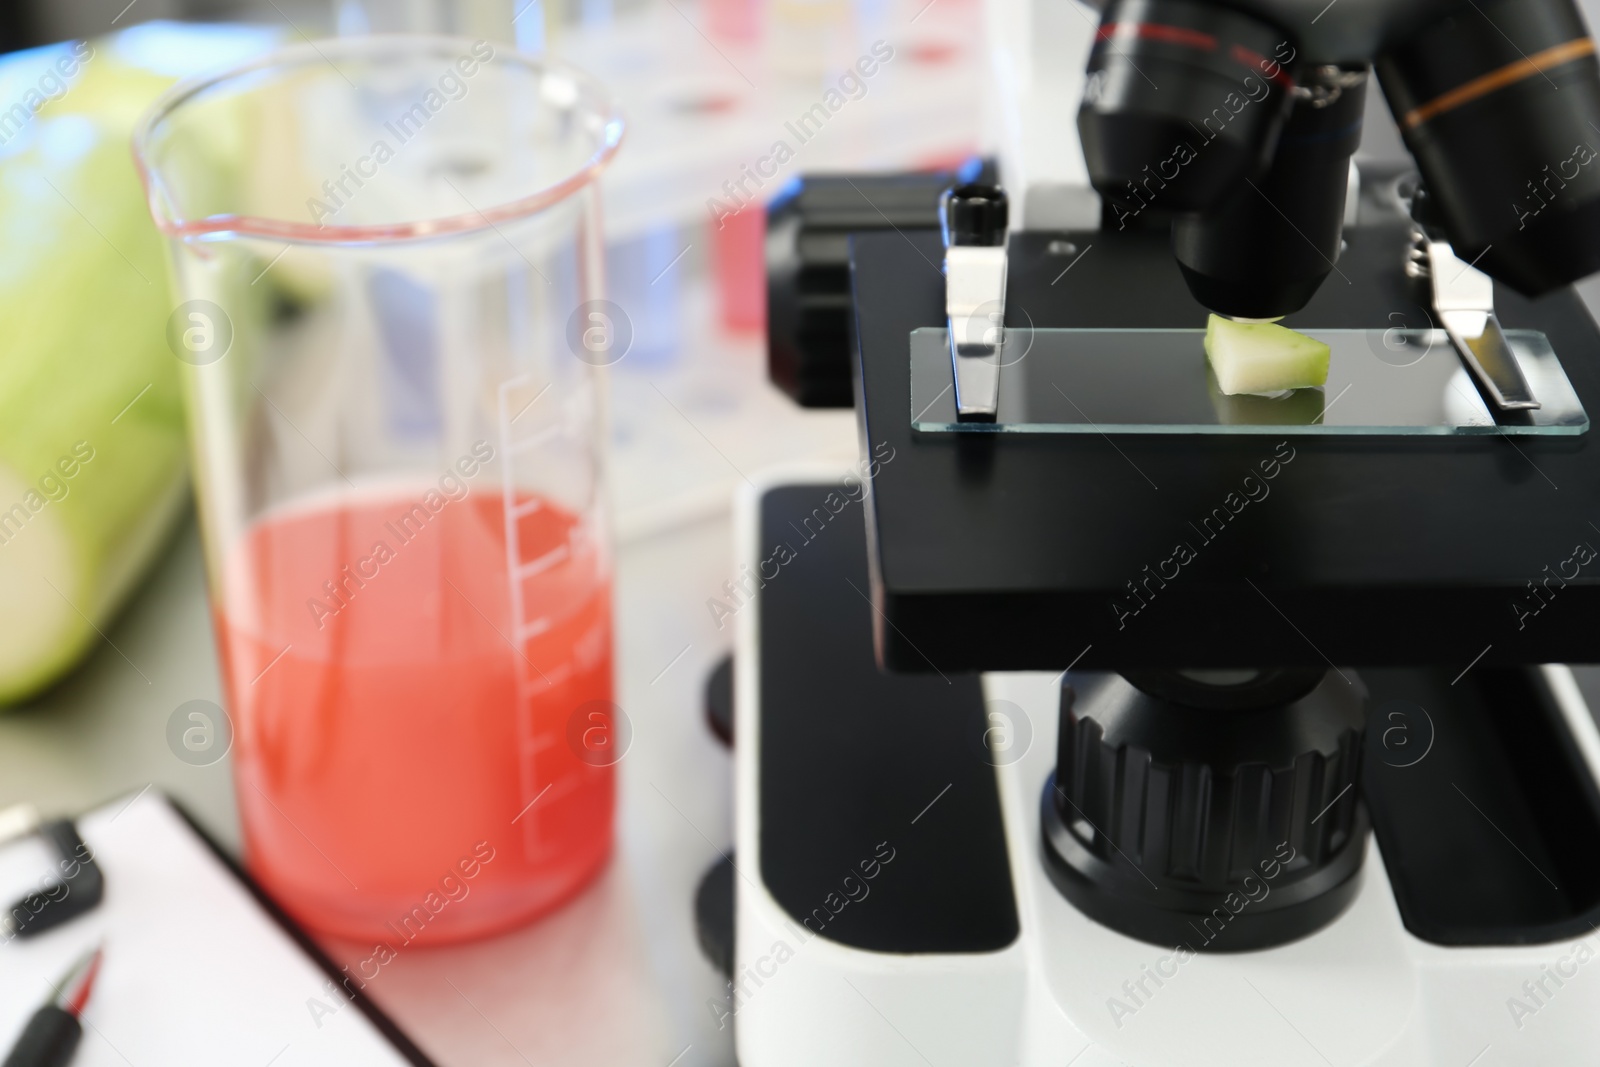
(388, 256)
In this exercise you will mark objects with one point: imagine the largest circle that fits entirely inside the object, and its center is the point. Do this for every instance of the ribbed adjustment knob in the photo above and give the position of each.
(810, 314)
(1225, 816)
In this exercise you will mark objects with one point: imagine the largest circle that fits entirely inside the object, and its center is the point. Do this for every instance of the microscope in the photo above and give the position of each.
(1101, 717)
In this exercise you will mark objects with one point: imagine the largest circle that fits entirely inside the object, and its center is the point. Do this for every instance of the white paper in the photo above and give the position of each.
(194, 973)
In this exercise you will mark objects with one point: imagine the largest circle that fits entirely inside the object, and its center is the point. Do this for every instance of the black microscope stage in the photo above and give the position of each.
(1010, 551)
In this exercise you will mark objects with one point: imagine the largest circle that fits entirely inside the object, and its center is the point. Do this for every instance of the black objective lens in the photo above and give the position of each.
(1183, 102)
(1499, 104)
(1267, 248)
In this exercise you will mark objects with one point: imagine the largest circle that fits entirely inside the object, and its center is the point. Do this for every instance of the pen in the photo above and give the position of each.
(52, 1034)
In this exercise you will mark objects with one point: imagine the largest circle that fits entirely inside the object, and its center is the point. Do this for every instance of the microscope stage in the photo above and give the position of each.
(1121, 548)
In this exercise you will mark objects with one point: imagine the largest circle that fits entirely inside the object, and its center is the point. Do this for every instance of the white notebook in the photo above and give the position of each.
(196, 971)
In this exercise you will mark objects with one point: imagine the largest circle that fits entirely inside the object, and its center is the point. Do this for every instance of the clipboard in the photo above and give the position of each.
(201, 966)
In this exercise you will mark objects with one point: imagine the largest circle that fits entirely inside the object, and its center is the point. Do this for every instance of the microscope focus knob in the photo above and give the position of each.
(973, 214)
(1224, 814)
(810, 313)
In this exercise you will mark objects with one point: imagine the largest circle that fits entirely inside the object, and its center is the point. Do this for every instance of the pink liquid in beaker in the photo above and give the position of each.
(404, 749)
